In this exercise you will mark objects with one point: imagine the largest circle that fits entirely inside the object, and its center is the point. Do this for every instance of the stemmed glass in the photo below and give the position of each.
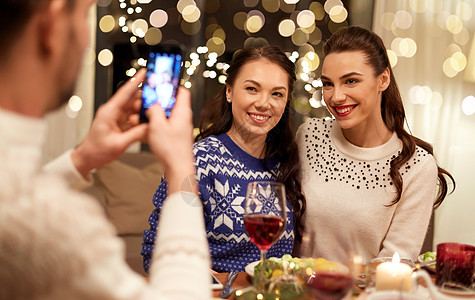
(264, 219)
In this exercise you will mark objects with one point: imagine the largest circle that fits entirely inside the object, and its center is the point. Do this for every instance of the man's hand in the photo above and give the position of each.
(171, 140)
(115, 127)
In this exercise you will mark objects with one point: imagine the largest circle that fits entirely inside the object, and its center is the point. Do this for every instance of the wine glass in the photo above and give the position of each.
(264, 219)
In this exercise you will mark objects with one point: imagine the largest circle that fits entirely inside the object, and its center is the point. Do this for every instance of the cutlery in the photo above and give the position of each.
(228, 289)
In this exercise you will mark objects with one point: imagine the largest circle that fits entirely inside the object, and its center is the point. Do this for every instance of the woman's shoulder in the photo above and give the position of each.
(313, 126)
(212, 144)
(423, 157)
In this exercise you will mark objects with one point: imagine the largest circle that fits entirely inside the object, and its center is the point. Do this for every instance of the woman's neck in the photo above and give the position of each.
(254, 146)
(368, 136)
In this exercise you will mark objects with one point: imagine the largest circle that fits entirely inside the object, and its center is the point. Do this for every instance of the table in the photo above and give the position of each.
(242, 280)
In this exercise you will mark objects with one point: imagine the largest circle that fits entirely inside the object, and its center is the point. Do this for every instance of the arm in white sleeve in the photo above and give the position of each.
(63, 167)
(411, 219)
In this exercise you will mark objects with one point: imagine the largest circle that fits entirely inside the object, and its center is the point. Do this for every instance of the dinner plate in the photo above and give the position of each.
(459, 293)
(250, 268)
(430, 267)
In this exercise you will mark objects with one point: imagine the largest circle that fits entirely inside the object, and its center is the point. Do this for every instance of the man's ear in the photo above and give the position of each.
(384, 80)
(51, 26)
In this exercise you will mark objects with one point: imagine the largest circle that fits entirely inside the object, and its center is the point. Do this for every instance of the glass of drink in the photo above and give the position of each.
(264, 219)
(331, 279)
(455, 266)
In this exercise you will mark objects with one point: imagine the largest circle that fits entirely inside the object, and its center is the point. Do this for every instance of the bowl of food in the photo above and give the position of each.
(428, 260)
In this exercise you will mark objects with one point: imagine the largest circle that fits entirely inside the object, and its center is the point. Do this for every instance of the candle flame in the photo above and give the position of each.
(396, 258)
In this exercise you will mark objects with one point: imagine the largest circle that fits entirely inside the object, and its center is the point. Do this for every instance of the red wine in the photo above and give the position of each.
(329, 285)
(264, 230)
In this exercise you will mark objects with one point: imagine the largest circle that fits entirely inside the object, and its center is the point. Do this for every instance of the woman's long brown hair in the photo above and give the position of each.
(216, 118)
(355, 38)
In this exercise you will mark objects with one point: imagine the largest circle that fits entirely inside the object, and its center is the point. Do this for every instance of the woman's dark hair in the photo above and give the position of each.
(216, 118)
(355, 38)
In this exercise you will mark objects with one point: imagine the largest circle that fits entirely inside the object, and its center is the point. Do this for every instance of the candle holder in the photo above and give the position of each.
(393, 276)
(455, 266)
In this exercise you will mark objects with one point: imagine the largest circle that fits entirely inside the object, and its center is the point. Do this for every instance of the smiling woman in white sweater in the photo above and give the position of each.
(370, 185)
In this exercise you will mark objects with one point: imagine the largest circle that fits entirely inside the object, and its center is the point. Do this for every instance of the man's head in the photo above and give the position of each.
(14, 15)
(51, 36)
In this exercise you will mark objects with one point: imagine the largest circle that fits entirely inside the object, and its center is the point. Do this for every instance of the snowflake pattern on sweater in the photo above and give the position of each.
(223, 173)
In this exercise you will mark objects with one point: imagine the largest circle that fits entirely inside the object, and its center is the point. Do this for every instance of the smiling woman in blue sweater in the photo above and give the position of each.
(245, 135)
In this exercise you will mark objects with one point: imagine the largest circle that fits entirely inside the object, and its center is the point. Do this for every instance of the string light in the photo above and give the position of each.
(206, 60)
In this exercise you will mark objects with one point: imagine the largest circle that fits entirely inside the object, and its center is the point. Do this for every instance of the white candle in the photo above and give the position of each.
(393, 275)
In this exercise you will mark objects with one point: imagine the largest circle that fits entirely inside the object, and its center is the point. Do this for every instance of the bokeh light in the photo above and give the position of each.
(286, 27)
(299, 37)
(468, 105)
(448, 68)
(317, 9)
(338, 14)
(105, 57)
(239, 20)
(462, 37)
(305, 18)
(271, 6)
(392, 56)
(75, 103)
(313, 59)
(454, 24)
(190, 28)
(158, 18)
(191, 13)
(436, 101)
(418, 6)
(286, 7)
(458, 61)
(387, 20)
(463, 11)
(153, 36)
(107, 23)
(139, 27)
(329, 4)
(103, 3)
(255, 21)
(250, 3)
(181, 4)
(403, 19)
(420, 94)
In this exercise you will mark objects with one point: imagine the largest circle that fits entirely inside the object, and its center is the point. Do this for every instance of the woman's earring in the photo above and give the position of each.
(229, 100)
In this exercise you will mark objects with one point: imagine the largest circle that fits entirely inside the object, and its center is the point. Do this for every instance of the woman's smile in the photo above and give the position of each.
(344, 110)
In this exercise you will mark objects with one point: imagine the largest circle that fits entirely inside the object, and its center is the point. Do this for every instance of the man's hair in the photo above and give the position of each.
(14, 15)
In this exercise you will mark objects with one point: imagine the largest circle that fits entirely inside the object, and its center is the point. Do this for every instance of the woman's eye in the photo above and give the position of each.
(351, 81)
(278, 94)
(326, 84)
(251, 88)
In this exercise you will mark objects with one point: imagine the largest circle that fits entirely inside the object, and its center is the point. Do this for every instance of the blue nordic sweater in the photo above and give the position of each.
(223, 172)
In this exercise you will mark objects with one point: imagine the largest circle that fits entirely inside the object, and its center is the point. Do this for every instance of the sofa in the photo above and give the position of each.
(125, 189)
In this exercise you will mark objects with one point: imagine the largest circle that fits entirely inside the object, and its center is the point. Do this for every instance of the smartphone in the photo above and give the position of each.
(215, 284)
(164, 70)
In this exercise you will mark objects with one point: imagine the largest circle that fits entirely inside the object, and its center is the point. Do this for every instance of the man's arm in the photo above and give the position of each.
(115, 127)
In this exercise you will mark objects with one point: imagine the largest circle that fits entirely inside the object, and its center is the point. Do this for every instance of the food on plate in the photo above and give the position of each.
(276, 267)
(429, 256)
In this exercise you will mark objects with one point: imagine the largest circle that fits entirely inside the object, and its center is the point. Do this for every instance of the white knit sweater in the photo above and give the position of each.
(55, 242)
(349, 190)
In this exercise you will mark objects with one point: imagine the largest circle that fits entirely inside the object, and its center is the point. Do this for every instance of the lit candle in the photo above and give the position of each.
(393, 275)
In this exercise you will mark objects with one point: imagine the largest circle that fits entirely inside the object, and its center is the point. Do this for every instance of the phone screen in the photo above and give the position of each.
(162, 80)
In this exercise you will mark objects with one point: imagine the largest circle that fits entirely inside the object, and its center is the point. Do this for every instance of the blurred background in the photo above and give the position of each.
(430, 44)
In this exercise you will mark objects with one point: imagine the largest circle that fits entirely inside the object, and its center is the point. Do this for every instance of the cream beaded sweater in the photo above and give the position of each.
(55, 242)
(348, 190)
